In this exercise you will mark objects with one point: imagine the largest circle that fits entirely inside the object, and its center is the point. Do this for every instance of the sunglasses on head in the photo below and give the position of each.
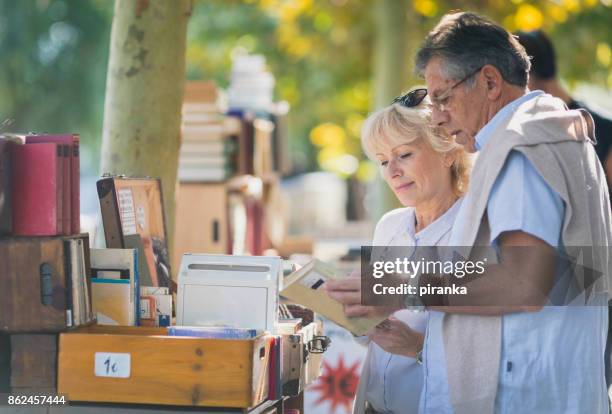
(412, 98)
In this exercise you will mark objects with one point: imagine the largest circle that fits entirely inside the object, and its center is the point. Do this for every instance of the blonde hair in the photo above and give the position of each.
(397, 124)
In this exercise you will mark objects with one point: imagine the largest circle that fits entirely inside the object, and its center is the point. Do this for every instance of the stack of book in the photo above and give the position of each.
(209, 140)
(251, 85)
(42, 182)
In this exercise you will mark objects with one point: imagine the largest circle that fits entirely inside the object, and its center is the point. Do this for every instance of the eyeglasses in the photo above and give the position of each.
(440, 102)
(412, 98)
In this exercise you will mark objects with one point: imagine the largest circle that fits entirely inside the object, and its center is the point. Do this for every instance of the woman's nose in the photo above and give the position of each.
(394, 168)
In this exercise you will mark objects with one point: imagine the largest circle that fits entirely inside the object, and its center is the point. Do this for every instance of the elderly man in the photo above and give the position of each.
(536, 183)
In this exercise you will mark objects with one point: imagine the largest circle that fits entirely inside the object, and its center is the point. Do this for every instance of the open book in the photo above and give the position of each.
(305, 287)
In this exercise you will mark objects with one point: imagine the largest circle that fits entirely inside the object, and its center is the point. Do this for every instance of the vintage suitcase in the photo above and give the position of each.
(134, 206)
(143, 365)
(35, 292)
(33, 363)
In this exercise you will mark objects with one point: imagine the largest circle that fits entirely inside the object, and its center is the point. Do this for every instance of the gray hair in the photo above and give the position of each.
(466, 42)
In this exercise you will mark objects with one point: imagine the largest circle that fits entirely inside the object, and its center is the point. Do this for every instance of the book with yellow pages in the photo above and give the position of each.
(305, 287)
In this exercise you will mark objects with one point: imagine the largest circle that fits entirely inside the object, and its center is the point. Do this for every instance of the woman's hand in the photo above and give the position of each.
(395, 337)
(348, 292)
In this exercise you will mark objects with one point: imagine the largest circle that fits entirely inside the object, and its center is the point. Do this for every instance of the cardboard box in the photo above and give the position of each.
(144, 365)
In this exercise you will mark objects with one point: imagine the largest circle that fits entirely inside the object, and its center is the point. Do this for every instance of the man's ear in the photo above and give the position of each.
(493, 81)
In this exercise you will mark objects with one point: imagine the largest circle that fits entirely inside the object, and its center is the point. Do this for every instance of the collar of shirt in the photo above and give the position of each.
(431, 235)
(484, 134)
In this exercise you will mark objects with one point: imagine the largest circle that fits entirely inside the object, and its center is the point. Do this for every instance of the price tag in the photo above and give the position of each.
(111, 364)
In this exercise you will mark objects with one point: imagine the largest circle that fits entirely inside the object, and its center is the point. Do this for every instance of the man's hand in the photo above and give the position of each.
(348, 292)
(397, 338)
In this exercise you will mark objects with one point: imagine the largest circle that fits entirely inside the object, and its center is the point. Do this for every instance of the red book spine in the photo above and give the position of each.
(66, 190)
(71, 198)
(75, 202)
(37, 189)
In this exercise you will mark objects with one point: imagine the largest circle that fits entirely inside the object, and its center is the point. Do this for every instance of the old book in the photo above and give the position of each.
(37, 182)
(304, 287)
(78, 282)
(71, 188)
(5, 186)
(115, 286)
(159, 309)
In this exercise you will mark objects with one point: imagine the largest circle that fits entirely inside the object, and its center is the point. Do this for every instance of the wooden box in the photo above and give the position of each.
(34, 292)
(33, 363)
(152, 368)
(201, 220)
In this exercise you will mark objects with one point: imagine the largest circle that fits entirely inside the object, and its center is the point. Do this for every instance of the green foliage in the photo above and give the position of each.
(54, 57)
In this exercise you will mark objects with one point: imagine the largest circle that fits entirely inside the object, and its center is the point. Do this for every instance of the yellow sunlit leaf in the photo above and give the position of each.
(558, 13)
(603, 53)
(323, 22)
(338, 162)
(249, 42)
(426, 8)
(528, 17)
(299, 47)
(590, 3)
(367, 171)
(353, 124)
(339, 35)
(328, 135)
(509, 23)
(572, 6)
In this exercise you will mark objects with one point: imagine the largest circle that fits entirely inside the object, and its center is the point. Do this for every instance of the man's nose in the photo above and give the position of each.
(438, 117)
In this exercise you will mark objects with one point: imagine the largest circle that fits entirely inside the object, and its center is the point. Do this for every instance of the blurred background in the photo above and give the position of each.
(331, 62)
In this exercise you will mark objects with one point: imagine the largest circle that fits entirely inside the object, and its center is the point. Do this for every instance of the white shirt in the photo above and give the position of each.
(395, 382)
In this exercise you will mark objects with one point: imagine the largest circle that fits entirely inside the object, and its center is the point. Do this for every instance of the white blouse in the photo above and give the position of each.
(392, 383)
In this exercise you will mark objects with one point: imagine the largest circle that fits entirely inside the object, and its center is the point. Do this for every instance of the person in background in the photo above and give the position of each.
(428, 172)
(543, 76)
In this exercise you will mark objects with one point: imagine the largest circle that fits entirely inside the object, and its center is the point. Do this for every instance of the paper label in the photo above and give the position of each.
(126, 211)
(140, 215)
(313, 280)
(111, 364)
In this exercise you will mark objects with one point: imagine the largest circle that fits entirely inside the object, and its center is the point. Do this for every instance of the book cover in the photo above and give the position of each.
(37, 182)
(116, 267)
(304, 287)
(71, 174)
(214, 332)
(112, 301)
(5, 187)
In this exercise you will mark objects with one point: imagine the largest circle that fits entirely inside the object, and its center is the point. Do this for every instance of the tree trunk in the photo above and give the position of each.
(144, 93)
(391, 73)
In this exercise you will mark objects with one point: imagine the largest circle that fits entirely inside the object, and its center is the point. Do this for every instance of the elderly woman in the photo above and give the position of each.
(428, 172)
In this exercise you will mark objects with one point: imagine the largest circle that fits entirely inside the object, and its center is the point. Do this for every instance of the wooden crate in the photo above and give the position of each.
(163, 369)
(33, 363)
(22, 307)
